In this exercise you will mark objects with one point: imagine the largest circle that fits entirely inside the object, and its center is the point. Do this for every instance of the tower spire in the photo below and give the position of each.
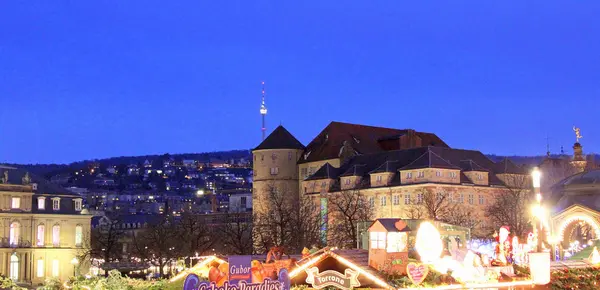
(263, 111)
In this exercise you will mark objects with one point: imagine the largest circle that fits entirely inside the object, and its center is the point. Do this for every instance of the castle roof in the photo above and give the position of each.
(507, 166)
(470, 165)
(364, 140)
(325, 172)
(280, 138)
(430, 159)
(416, 158)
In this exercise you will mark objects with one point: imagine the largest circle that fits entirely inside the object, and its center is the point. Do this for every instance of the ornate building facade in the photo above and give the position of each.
(392, 168)
(44, 230)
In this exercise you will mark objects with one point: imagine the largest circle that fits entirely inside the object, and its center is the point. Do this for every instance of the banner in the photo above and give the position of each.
(348, 280)
(240, 269)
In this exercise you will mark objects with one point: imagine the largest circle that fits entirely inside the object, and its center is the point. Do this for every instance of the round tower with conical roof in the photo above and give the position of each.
(275, 175)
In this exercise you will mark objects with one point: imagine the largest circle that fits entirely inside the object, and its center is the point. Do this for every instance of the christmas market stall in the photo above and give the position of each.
(386, 265)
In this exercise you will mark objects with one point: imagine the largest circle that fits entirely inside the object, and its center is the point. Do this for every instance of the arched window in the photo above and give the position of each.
(40, 268)
(78, 235)
(15, 229)
(56, 235)
(14, 267)
(55, 266)
(41, 233)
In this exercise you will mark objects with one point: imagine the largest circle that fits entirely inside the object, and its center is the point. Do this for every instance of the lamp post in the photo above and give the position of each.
(74, 262)
(536, 177)
(539, 261)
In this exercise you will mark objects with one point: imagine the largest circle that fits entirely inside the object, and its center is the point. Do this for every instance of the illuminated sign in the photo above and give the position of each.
(192, 282)
(240, 269)
(348, 280)
(417, 272)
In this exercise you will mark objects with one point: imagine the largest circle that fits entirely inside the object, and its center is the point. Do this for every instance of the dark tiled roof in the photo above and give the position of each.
(390, 224)
(464, 179)
(363, 139)
(591, 201)
(280, 138)
(430, 159)
(470, 165)
(507, 166)
(388, 166)
(325, 172)
(15, 176)
(422, 157)
(355, 170)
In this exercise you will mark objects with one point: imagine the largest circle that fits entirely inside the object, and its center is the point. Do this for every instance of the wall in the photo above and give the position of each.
(31, 252)
(400, 210)
(430, 175)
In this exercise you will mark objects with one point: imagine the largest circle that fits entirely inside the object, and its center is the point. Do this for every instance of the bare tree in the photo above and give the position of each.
(284, 220)
(308, 224)
(511, 207)
(429, 204)
(346, 209)
(157, 243)
(463, 216)
(273, 219)
(193, 234)
(106, 239)
(432, 205)
(236, 233)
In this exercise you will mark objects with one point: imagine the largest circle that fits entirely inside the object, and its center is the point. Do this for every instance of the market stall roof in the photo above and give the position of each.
(335, 259)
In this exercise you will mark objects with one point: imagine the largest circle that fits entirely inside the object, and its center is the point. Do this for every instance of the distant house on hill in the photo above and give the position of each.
(63, 178)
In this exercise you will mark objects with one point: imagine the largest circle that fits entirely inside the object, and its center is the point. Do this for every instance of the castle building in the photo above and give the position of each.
(44, 231)
(391, 167)
(555, 168)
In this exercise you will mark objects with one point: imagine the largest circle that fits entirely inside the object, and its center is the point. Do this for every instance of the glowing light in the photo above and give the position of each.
(566, 222)
(200, 192)
(361, 271)
(342, 260)
(539, 266)
(536, 176)
(478, 285)
(428, 243)
(538, 212)
(197, 266)
(304, 266)
(595, 257)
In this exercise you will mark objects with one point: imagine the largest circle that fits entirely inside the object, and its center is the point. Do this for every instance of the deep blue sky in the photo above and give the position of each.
(93, 79)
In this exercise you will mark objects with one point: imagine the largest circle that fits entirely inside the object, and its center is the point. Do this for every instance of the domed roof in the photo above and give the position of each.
(586, 177)
(582, 188)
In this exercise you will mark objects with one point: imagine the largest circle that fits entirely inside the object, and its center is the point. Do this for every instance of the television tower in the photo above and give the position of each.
(263, 111)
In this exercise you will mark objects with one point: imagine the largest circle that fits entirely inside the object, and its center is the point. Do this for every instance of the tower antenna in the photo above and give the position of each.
(263, 111)
(547, 146)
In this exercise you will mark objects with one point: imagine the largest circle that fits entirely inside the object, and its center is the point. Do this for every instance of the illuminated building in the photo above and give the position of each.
(390, 167)
(44, 229)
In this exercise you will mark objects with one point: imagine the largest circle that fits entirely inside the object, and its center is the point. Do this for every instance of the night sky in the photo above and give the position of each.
(95, 79)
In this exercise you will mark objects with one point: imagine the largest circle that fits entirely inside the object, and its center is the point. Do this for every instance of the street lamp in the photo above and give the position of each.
(539, 262)
(74, 262)
(536, 177)
(200, 192)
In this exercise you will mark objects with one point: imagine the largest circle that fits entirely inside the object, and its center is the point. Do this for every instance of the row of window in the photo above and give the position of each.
(421, 174)
(15, 235)
(274, 156)
(379, 178)
(407, 200)
(16, 203)
(40, 272)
